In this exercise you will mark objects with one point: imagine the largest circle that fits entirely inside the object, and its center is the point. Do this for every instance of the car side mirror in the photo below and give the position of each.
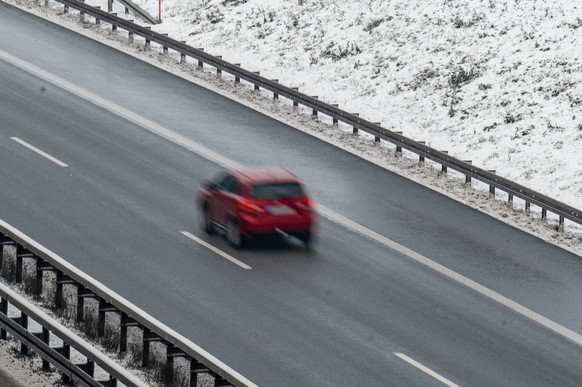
(210, 185)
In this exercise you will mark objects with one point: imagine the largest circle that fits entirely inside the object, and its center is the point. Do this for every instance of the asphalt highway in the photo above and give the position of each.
(114, 199)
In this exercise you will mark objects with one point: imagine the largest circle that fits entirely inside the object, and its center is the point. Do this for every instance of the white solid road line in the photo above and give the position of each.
(451, 274)
(120, 111)
(426, 370)
(36, 150)
(324, 211)
(216, 250)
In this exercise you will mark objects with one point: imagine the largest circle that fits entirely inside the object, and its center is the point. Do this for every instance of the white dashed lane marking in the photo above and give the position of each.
(38, 151)
(426, 370)
(216, 250)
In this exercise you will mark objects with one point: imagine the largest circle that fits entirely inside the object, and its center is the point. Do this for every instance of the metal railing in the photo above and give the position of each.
(58, 356)
(65, 274)
(401, 142)
(136, 9)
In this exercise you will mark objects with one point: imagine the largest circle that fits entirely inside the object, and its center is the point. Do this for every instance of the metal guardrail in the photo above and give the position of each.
(470, 171)
(60, 356)
(201, 362)
(136, 9)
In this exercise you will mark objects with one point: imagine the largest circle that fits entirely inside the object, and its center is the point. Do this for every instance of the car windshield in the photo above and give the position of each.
(276, 191)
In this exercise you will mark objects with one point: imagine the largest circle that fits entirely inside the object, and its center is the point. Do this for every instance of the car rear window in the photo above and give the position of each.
(276, 191)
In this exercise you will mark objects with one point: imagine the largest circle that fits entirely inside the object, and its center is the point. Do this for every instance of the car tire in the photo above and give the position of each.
(306, 238)
(205, 222)
(233, 235)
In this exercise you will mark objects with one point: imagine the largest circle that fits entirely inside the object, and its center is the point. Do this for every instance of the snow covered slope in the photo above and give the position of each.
(498, 82)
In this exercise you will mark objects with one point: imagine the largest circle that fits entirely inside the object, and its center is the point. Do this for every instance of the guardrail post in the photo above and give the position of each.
(170, 363)
(66, 9)
(200, 62)
(4, 311)
(236, 77)
(126, 11)
(444, 167)
(59, 291)
(97, 20)
(561, 223)
(510, 198)
(23, 322)
(527, 206)
(275, 95)
(39, 274)
(145, 361)
(147, 41)
(376, 138)
(256, 84)
(218, 71)
(89, 368)
(334, 119)
(314, 111)
(45, 337)
(113, 26)
(101, 318)
(123, 324)
(421, 157)
(295, 103)
(46, 2)
(491, 186)
(65, 350)
(544, 213)
(182, 55)
(80, 307)
(354, 129)
(468, 177)
(398, 147)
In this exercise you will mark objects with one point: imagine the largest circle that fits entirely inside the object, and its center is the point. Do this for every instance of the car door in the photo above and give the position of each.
(227, 199)
(215, 198)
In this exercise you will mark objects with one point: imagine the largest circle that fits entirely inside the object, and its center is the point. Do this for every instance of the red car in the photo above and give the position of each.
(249, 202)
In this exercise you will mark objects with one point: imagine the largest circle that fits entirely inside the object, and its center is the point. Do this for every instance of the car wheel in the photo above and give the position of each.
(305, 237)
(233, 235)
(205, 222)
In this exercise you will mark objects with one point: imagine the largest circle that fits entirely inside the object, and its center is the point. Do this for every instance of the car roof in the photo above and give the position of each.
(264, 175)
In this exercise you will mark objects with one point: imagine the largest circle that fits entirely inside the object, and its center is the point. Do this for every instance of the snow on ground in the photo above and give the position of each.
(498, 82)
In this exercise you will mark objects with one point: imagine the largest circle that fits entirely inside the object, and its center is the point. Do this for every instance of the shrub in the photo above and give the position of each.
(375, 23)
(213, 15)
(233, 2)
(511, 118)
(422, 76)
(576, 24)
(460, 76)
(336, 51)
(489, 127)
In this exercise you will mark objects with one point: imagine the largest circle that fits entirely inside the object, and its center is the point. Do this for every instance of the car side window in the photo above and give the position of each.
(229, 184)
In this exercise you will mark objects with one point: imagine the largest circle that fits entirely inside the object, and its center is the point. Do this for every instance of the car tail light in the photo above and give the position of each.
(249, 208)
(305, 204)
